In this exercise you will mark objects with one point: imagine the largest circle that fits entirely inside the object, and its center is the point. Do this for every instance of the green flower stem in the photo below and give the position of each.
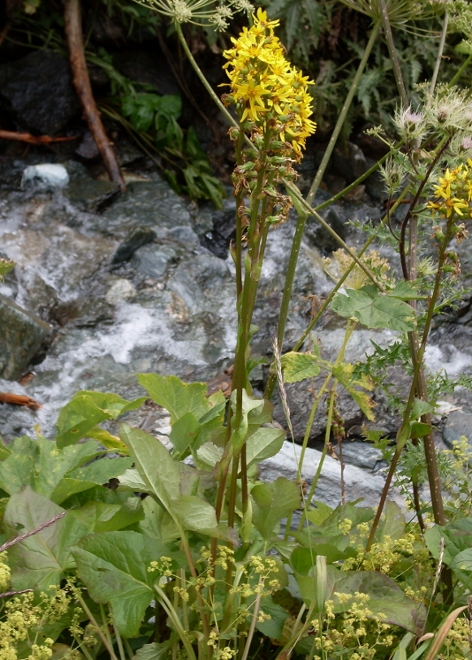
(94, 623)
(350, 326)
(306, 437)
(343, 114)
(296, 634)
(393, 52)
(129, 650)
(82, 648)
(433, 478)
(105, 624)
(252, 627)
(119, 641)
(440, 54)
(203, 80)
(272, 378)
(461, 71)
(174, 617)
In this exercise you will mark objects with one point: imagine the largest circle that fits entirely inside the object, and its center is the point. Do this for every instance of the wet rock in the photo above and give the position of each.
(184, 235)
(319, 236)
(87, 147)
(21, 338)
(218, 238)
(136, 239)
(458, 424)
(144, 204)
(87, 193)
(301, 395)
(153, 260)
(38, 92)
(375, 184)
(46, 175)
(361, 454)
(119, 291)
(349, 162)
(358, 484)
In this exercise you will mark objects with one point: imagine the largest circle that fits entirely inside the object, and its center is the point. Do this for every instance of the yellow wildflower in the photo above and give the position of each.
(266, 89)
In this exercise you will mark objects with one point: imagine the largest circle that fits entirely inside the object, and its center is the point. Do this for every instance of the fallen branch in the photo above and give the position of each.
(75, 43)
(22, 537)
(6, 594)
(19, 400)
(33, 139)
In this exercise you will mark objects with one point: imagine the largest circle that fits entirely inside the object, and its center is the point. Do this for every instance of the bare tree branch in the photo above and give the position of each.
(22, 537)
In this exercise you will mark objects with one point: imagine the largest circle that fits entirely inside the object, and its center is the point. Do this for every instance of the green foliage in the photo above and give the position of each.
(374, 309)
(5, 267)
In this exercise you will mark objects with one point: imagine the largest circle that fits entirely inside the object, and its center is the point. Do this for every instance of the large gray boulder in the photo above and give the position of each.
(21, 336)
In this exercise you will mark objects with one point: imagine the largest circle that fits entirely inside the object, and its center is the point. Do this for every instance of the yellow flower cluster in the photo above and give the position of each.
(266, 89)
(454, 192)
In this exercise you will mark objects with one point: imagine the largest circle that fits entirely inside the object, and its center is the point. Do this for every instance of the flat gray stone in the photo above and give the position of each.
(137, 238)
(458, 423)
(153, 260)
(361, 454)
(144, 204)
(357, 482)
(20, 339)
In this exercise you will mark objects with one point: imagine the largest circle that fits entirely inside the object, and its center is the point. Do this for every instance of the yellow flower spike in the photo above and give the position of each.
(268, 91)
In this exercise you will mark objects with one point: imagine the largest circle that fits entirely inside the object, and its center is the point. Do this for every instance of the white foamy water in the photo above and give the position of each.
(452, 361)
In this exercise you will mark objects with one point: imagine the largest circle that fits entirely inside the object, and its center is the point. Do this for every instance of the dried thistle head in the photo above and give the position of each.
(400, 12)
(341, 262)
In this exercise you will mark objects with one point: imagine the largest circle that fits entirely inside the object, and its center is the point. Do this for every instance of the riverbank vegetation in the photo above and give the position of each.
(116, 547)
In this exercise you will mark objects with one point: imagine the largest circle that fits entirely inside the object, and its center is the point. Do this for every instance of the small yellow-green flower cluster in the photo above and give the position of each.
(357, 629)
(4, 572)
(454, 192)
(23, 620)
(266, 89)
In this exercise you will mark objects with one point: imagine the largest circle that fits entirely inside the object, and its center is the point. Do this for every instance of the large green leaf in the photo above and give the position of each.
(385, 597)
(298, 366)
(264, 443)
(195, 514)
(176, 397)
(100, 472)
(272, 502)
(4, 450)
(375, 309)
(463, 560)
(113, 566)
(18, 469)
(103, 517)
(76, 418)
(274, 626)
(157, 522)
(155, 651)
(185, 432)
(86, 410)
(159, 472)
(42, 559)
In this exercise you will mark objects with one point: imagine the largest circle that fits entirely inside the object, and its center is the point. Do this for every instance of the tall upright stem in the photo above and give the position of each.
(302, 217)
(342, 115)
